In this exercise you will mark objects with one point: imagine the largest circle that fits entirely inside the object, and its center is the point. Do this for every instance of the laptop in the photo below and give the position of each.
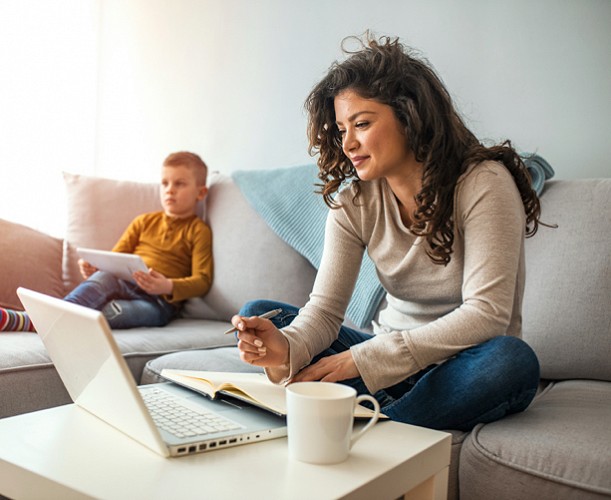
(122, 265)
(89, 362)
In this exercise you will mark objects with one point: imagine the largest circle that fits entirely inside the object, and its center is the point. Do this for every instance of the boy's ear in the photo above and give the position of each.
(203, 191)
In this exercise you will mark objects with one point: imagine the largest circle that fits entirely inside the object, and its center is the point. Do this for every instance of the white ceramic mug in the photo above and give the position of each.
(319, 420)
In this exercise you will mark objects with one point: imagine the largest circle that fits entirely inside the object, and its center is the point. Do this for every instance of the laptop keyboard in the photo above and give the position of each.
(181, 421)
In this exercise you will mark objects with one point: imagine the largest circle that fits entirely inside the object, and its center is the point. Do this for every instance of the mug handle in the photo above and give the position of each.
(366, 397)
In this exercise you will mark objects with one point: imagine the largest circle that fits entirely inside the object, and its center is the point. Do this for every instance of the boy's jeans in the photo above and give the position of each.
(124, 304)
(478, 385)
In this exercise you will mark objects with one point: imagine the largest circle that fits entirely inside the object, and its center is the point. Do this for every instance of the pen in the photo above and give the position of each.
(267, 315)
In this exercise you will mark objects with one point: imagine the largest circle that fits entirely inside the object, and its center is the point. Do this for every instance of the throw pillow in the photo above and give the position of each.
(99, 210)
(30, 259)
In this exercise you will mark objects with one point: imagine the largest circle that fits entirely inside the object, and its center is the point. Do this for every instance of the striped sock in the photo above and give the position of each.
(15, 321)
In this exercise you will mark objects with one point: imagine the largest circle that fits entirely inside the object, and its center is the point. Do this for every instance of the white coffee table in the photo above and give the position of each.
(65, 453)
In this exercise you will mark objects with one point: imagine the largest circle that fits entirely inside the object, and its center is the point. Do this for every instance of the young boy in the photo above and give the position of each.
(175, 244)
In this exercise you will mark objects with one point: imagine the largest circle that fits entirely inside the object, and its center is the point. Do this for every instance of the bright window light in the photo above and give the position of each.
(48, 92)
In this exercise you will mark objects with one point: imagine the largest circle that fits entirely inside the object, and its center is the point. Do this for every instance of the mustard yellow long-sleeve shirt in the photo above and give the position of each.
(178, 248)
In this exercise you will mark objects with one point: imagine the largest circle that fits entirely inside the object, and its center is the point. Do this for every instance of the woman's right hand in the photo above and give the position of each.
(86, 268)
(260, 342)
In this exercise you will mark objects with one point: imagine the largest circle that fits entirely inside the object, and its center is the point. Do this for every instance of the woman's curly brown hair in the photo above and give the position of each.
(391, 74)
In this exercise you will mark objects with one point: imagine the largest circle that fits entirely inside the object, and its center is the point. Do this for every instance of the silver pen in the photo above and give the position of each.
(267, 315)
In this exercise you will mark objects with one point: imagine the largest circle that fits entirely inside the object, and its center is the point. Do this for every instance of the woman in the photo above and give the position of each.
(443, 218)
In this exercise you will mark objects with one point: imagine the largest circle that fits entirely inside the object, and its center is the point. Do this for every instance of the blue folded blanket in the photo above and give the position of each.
(539, 170)
(285, 199)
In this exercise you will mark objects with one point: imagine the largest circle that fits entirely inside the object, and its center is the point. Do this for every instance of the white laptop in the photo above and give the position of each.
(122, 265)
(87, 358)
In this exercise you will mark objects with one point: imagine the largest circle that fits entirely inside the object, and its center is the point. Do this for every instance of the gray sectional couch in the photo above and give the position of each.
(560, 448)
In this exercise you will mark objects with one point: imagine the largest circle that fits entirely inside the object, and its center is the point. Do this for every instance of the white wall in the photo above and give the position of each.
(110, 87)
(227, 78)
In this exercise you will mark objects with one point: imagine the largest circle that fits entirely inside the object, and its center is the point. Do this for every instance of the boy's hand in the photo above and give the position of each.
(154, 282)
(86, 268)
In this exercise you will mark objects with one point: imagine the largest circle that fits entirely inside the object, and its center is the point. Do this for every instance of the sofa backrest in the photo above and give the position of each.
(566, 309)
(567, 299)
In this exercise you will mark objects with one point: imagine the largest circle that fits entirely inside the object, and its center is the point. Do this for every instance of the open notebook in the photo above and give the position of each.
(253, 388)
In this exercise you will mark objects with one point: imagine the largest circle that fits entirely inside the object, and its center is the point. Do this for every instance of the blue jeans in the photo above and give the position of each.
(124, 304)
(478, 385)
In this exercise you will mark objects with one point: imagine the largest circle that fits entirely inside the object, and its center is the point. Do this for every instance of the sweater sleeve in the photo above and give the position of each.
(128, 241)
(318, 322)
(489, 223)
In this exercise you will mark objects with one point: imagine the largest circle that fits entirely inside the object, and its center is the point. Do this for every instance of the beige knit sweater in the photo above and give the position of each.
(433, 311)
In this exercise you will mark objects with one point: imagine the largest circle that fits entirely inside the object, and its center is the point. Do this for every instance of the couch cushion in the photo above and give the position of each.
(29, 382)
(566, 313)
(560, 447)
(99, 210)
(250, 260)
(30, 259)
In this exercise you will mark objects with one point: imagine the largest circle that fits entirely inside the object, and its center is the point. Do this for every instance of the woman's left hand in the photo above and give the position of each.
(329, 369)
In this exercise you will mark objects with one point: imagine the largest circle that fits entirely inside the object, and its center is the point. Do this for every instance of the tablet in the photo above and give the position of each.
(122, 265)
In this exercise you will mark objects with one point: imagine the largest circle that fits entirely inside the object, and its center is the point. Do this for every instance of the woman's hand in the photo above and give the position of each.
(260, 342)
(330, 369)
(86, 268)
(153, 282)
